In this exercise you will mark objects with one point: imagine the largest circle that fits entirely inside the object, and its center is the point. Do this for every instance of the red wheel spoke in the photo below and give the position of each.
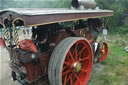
(86, 58)
(68, 78)
(71, 55)
(101, 49)
(67, 63)
(77, 77)
(66, 72)
(64, 68)
(71, 80)
(78, 74)
(75, 51)
(102, 54)
(81, 51)
(65, 80)
(83, 70)
(68, 57)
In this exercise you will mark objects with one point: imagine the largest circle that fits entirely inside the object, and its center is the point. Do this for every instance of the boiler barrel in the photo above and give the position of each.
(87, 4)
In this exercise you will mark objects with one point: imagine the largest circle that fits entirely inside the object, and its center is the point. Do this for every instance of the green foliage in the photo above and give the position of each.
(121, 31)
(119, 7)
(35, 4)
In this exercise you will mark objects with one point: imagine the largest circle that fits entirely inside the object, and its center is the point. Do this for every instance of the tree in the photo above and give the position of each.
(120, 8)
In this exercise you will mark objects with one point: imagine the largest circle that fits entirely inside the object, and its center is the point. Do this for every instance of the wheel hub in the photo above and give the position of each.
(103, 51)
(77, 67)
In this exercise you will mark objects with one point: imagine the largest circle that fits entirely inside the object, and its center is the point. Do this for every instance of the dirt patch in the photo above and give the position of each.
(5, 70)
(97, 68)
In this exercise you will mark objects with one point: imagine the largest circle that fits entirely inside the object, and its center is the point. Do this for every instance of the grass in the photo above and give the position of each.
(115, 70)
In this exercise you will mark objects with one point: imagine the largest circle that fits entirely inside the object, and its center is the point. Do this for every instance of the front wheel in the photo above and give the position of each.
(103, 51)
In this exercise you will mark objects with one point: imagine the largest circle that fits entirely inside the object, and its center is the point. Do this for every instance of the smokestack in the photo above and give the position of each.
(75, 4)
(83, 3)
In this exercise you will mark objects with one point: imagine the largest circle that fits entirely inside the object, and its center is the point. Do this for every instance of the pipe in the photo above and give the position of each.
(87, 4)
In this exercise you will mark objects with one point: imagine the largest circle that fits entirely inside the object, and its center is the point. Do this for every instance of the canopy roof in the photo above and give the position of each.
(38, 16)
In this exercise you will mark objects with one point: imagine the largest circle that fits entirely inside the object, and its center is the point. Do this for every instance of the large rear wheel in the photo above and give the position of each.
(71, 62)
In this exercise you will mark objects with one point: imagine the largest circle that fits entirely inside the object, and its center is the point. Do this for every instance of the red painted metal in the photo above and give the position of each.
(28, 45)
(2, 43)
(77, 65)
(35, 71)
(103, 51)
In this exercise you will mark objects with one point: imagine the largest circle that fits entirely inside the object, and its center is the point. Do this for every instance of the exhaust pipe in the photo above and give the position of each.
(85, 3)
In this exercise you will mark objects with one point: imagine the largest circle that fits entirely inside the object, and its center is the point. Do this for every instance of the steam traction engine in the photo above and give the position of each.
(72, 46)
